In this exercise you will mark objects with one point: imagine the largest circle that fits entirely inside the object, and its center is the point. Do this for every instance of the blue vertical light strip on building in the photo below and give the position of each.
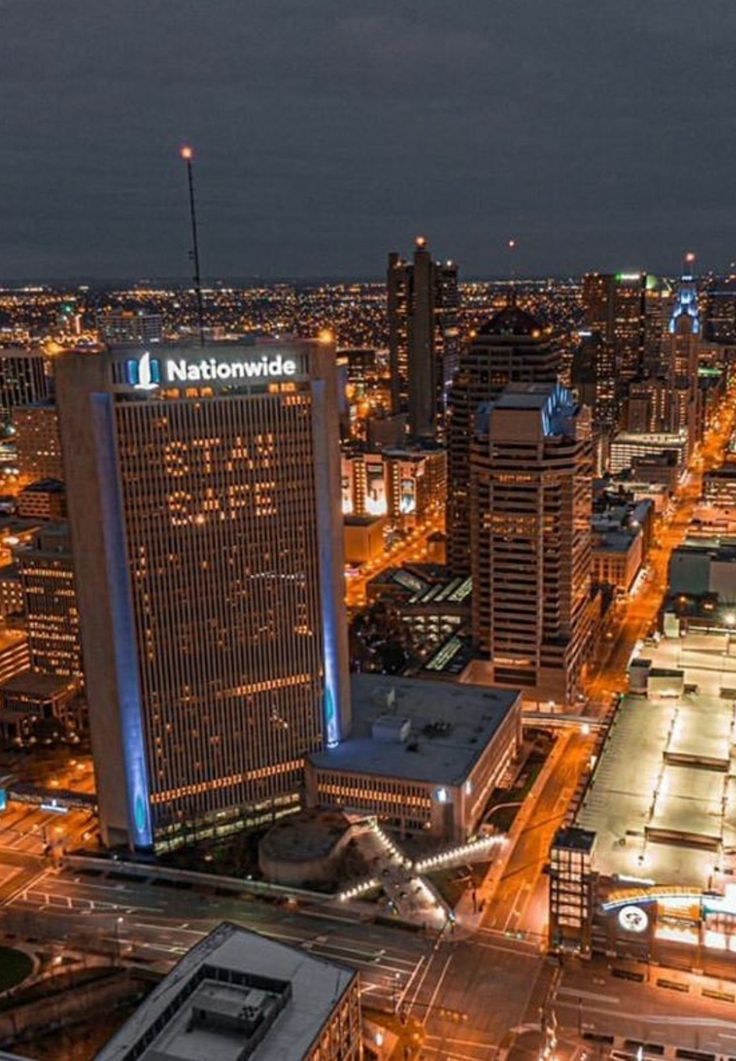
(125, 652)
(326, 498)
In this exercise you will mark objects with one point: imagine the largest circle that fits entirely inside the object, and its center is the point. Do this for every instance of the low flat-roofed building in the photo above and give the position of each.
(430, 603)
(13, 532)
(452, 744)
(363, 538)
(43, 500)
(661, 805)
(661, 469)
(719, 487)
(704, 566)
(237, 995)
(628, 447)
(657, 493)
(616, 556)
(401, 484)
(32, 702)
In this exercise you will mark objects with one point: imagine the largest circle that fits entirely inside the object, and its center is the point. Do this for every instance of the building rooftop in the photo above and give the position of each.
(553, 405)
(44, 486)
(573, 839)
(31, 683)
(613, 540)
(662, 801)
(662, 438)
(450, 726)
(512, 320)
(235, 994)
(726, 471)
(363, 521)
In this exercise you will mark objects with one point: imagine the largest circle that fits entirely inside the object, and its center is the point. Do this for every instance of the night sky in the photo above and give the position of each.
(598, 134)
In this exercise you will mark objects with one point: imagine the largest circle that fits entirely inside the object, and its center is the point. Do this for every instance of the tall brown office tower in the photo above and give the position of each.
(47, 579)
(512, 347)
(615, 307)
(593, 377)
(531, 485)
(423, 337)
(204, 503)
(23, 378)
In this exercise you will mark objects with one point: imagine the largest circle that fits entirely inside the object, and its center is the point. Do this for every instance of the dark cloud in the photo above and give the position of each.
(600, 134)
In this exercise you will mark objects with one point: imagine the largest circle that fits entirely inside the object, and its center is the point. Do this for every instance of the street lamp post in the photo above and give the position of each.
(118, 923)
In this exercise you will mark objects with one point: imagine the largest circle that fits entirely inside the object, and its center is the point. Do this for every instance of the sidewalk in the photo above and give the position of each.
(413, 898)
(469, 918)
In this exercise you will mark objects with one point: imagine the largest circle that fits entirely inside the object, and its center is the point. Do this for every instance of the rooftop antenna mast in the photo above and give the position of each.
(512, 261)
(188, 154)
(688, 264)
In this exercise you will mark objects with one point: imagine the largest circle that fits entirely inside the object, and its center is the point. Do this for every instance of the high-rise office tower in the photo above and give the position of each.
(531, 486)
(648, 406)
(423, 336)
(680, 358)
(37, 441)
(615, 306)
(23, 378)
(447, 318)
(719, 324)
(204, 503)
(512, 347)
(593, 377)
(50, 602)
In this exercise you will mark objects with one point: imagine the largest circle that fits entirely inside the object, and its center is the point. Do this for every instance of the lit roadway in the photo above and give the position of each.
(461, 994)
(641, 609)
(518, 902)
(412, 550)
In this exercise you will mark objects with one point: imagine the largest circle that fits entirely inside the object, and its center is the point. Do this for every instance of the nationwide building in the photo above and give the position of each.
(424, 337)
(511, 347)
(531, 484)
(203, 493)
(237, 995)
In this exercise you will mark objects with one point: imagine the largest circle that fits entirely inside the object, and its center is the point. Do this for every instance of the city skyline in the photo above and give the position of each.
(313, 161)
(367, 564)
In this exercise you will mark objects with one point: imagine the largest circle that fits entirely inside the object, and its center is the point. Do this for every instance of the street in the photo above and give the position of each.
(460, 994)
(413, 550)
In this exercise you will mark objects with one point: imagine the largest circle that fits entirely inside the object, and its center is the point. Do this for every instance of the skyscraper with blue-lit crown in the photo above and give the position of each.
(530, 503)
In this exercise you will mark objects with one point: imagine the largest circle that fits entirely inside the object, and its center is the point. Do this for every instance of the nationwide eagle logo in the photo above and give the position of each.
(144, 372)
